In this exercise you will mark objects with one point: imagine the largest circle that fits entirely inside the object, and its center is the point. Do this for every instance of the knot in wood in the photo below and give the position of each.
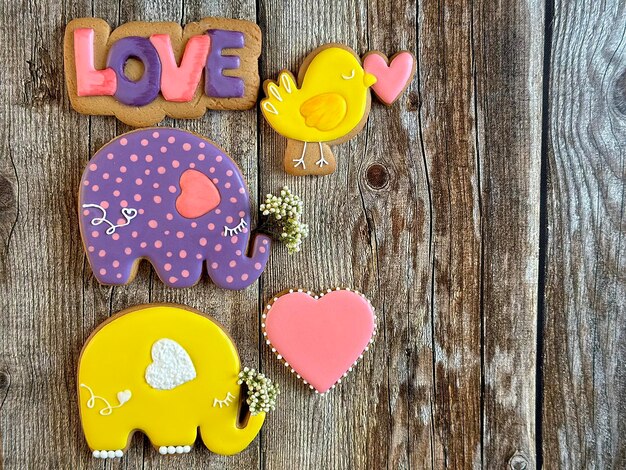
(518, 462)
(619, 93)
(377, 176)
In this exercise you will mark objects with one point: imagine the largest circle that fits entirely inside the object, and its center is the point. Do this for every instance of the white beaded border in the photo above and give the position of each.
(316, 297)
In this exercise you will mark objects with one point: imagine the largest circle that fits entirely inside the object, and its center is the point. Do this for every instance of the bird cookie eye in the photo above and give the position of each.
(348, 77)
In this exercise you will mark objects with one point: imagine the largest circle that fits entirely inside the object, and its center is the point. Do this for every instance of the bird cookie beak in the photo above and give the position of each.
(369, 79)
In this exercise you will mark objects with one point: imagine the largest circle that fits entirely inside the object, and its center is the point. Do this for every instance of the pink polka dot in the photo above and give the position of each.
(155, 185)
(173, 279)
(104, 204)
(257, 266)
(161, 170)
(115, 236)
(218, 159)
(120, 221)
(123, 141)
(110, 156)
(227, 185)
(128, 251)
(102, 253)
(86, 183)
(103, 271)
(155, 135)
(157, 199)
(229, 279)
(144, 142)
(198, 256)
(232, 264)
(233, 200)
(95, 234)
(143, 244)
(137, 197)
(149, 158)
(118, 275)
(86, 212)
(218, 247)
(134, 157)
(242, 214)
(234, 239)
(93, 167)
(238, 252)
(201, 157)
(180, 234)
(211, 226)
(229, 220)
(212, 170)
(229, 173)
(244, 277)
(203, 241)
(118, 180)
(218, 211)
(215, 180)
(194, 224)
(158, 244)
(141, 211)
(214, 265)
(147, 171)
(192, 165)
(241, 190)
(116, 193)
(95, 188)
(175, 163)
(172, 189)
(138, 181)
(153, 224)
(169, 216)
(265, 242)
(244, 230)
(182, 254)
(171, 139)
(105, 176)
(123, 169)
(186, 146)
(184, 273)
(262, 249)
(134, 234)
(201, 145)
(91, 249)
(167, 266)
(169, 254)
(163, 149)
(116, 264)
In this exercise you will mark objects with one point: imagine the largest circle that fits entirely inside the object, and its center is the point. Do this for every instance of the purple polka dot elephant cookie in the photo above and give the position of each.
(175, 199)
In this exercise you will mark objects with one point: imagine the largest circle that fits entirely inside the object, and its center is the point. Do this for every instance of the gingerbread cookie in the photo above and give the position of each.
(175, 199)
(320, 337)
(142, 72)
(167, 370)
(330, 102)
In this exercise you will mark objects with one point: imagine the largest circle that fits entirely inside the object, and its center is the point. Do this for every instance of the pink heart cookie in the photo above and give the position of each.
(392, 76)
(320, 337)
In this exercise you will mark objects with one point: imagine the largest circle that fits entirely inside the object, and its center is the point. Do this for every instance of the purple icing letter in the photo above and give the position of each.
(145, 90)
(217, 84)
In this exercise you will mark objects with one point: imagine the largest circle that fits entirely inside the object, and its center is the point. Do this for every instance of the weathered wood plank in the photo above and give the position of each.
(584, 415)
(508, 47)
(368, 234)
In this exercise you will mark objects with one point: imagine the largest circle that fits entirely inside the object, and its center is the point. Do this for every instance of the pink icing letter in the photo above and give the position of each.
(89, 81)
(180, 83)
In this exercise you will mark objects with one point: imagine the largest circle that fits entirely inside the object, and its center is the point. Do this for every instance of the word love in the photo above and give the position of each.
(142, 72)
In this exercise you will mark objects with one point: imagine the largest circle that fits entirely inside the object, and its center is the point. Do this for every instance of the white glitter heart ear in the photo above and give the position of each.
(171, 365)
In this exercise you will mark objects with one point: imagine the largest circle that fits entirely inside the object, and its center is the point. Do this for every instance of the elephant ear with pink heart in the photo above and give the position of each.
(175, 199)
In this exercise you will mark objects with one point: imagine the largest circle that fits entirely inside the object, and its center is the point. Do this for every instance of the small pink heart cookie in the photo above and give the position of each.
(392, 76)
(321, 337)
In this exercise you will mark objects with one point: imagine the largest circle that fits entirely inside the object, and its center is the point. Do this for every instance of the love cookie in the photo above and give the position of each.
(330, 102)
(168, 370)
(320, 337)
(142, 72)
(175, 199)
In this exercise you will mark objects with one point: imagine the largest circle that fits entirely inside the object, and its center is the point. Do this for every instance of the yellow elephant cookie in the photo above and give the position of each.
(167, 371)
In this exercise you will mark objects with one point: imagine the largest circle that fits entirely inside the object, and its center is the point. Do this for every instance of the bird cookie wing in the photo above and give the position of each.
(324, 112)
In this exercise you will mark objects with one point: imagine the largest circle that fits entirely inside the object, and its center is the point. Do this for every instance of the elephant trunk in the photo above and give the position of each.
(235, 437)
(231, 267)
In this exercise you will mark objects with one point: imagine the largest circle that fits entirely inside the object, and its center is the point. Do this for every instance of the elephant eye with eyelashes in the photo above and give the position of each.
(229, 232)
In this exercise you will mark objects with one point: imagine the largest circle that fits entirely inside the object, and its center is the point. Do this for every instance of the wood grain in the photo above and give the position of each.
(584, 417)
(433, 213)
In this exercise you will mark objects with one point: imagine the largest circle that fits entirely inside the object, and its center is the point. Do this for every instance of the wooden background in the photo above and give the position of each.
(483, 214)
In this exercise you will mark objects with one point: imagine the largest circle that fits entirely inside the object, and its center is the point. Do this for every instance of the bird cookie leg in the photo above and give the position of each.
(322, 161)
(300, 161)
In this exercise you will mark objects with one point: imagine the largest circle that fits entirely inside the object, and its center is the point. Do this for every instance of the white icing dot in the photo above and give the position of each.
(293, 371)
(96, 454)
(306, 383)
(279, 357)
(298, 375)
(317, 297)
(262, 325)
(291, 291)
(265, 334)
(186, 449)
(179, 449)
(111, 454)
(273, 349)
(299, 290)
(103, 454)
(162, 450)
(171, 449)
(275, 299)
(322, 294)
(267, 342)
(264, 316)
(269, 306)
(286, 364)
(119, 453)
